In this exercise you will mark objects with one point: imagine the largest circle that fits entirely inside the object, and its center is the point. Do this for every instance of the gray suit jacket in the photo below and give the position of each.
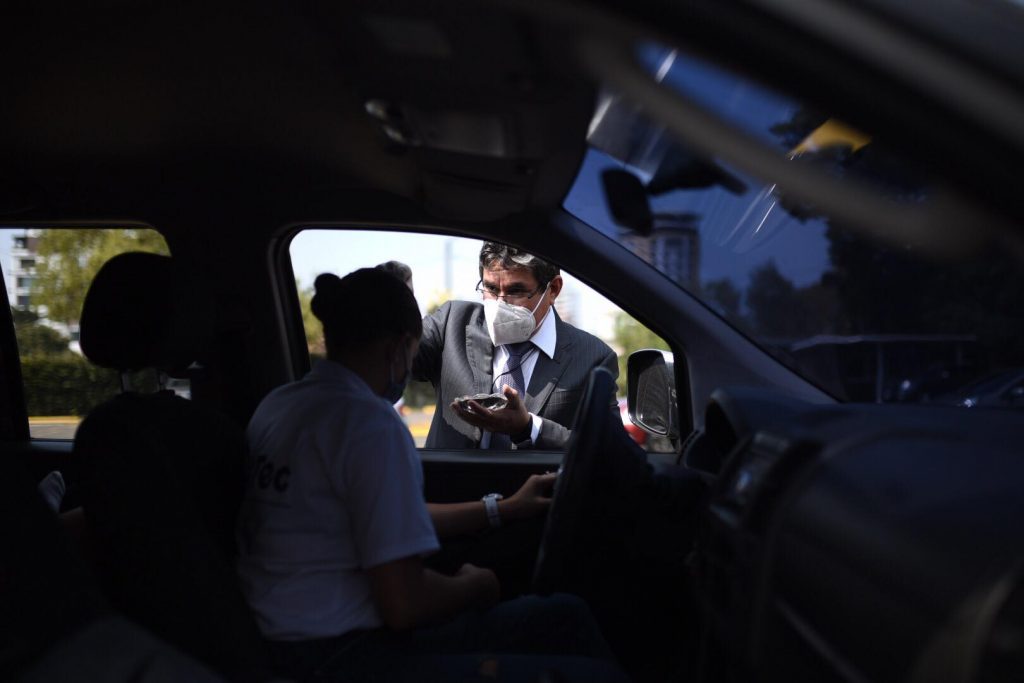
(456, 355)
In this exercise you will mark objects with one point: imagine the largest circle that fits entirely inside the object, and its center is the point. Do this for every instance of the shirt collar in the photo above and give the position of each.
(546, 338)
(330, 370)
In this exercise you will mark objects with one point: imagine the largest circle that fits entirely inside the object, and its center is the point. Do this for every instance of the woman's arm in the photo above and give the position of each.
(454, 519)
(408, 595)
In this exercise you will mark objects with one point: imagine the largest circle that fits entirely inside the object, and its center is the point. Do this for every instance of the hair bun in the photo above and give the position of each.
(325, 281)
(326, 286)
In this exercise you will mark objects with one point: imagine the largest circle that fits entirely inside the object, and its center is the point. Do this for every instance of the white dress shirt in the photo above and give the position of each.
(544, 339)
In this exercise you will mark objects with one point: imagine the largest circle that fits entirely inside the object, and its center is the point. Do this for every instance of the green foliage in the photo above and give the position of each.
(630, 335)
(65, 385)
(35, 339)
(68, 384)
(419, 394)
(22, 316)
(69, 260)
(312, 327)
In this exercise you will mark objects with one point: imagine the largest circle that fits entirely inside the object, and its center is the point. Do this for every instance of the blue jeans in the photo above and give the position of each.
(522, 640)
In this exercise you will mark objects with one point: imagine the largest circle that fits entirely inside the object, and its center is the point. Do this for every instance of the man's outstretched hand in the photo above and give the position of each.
(512, 419)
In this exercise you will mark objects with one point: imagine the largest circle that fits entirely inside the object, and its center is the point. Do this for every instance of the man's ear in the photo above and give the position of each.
(555, 287)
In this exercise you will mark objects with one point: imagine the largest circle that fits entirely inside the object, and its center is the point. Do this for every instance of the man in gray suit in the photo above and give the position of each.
(511, 342)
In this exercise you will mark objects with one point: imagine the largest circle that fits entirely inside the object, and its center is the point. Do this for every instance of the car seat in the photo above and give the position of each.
(54, 624)
(162, 477)
(45, 592)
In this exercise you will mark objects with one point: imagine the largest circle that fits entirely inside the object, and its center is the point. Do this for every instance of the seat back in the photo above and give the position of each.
(163, 478)
(45, 591)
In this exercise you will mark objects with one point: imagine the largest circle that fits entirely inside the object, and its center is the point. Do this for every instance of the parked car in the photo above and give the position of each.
(1000, 390)
(636, 433)
(732, 174)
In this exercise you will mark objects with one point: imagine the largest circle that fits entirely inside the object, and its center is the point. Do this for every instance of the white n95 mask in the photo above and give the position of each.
(508, 324)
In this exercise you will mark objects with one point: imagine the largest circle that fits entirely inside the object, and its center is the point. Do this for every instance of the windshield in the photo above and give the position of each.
(865, 319)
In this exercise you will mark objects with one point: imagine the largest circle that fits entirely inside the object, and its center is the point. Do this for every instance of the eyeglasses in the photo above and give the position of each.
(512, 296)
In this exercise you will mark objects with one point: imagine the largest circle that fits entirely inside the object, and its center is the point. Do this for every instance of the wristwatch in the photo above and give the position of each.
(491, 504)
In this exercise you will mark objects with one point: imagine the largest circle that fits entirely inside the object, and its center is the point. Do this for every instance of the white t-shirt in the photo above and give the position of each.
(335, 486)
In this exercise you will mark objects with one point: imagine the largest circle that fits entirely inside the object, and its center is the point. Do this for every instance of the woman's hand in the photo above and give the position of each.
(533, 498)
(484, 581)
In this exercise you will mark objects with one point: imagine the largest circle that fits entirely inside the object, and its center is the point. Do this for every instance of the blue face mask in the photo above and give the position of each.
(395, 389)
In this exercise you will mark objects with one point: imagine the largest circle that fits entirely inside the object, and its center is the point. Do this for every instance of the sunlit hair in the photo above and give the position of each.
(397, 269)
(496, 254)
(363, 307)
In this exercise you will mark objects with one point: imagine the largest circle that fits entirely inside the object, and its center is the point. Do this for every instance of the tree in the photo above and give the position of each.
(776, 308)
(68, 260)
(888, 288)
(38, 340)
(23, 316)
(630, 335)
(898, 291)
(725, 298)
(312, 326)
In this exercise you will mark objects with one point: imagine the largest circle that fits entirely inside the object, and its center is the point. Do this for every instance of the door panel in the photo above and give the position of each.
(458, 476)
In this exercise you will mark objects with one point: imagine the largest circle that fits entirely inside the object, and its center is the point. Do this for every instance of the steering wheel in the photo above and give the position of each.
(574, 485)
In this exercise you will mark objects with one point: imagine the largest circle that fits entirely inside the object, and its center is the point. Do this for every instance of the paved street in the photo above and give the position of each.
(53, 427)
(418, 422)
(63, 427)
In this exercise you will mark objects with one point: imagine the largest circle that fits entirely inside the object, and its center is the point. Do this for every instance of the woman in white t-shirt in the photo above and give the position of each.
(334, 526)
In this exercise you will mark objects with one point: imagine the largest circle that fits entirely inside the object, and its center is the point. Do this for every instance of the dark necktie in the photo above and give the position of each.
(512, 375)
(512, 372)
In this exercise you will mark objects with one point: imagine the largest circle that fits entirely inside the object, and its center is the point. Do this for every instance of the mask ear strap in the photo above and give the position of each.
(541, 298)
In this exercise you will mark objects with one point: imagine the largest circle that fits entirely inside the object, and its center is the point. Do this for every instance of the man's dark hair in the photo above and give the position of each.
(397, 269)
(364, 306)
(497, 254)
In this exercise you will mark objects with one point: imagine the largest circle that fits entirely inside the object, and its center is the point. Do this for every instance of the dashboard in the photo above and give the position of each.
(859, 542)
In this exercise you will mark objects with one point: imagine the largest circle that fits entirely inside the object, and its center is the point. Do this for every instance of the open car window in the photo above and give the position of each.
(445, 268)
(877, 314)
(47, 273)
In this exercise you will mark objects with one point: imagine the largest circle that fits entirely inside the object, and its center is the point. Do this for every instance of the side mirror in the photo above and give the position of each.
(651, 392)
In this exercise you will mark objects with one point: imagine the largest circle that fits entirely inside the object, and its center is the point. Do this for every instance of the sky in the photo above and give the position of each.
(342, 251)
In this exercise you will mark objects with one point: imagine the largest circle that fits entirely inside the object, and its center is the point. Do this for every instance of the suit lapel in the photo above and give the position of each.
(548, 371)
(480, 353)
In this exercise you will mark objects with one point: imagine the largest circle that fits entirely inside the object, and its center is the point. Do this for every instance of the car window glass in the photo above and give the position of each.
(867, 319)
(47, 273)
(446, 268)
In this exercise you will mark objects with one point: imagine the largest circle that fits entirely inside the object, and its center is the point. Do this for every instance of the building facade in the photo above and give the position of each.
(21, 271)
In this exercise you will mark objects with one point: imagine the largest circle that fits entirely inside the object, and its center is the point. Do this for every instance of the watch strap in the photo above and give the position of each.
(491, 505)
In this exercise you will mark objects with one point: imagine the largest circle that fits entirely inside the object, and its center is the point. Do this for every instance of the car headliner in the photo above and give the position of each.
(141, 111)
(145, 111)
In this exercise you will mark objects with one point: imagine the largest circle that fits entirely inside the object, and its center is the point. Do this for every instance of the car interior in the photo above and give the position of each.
(790, 533)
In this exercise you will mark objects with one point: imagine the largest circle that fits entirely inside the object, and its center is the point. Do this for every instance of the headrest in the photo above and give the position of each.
(129, 318)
